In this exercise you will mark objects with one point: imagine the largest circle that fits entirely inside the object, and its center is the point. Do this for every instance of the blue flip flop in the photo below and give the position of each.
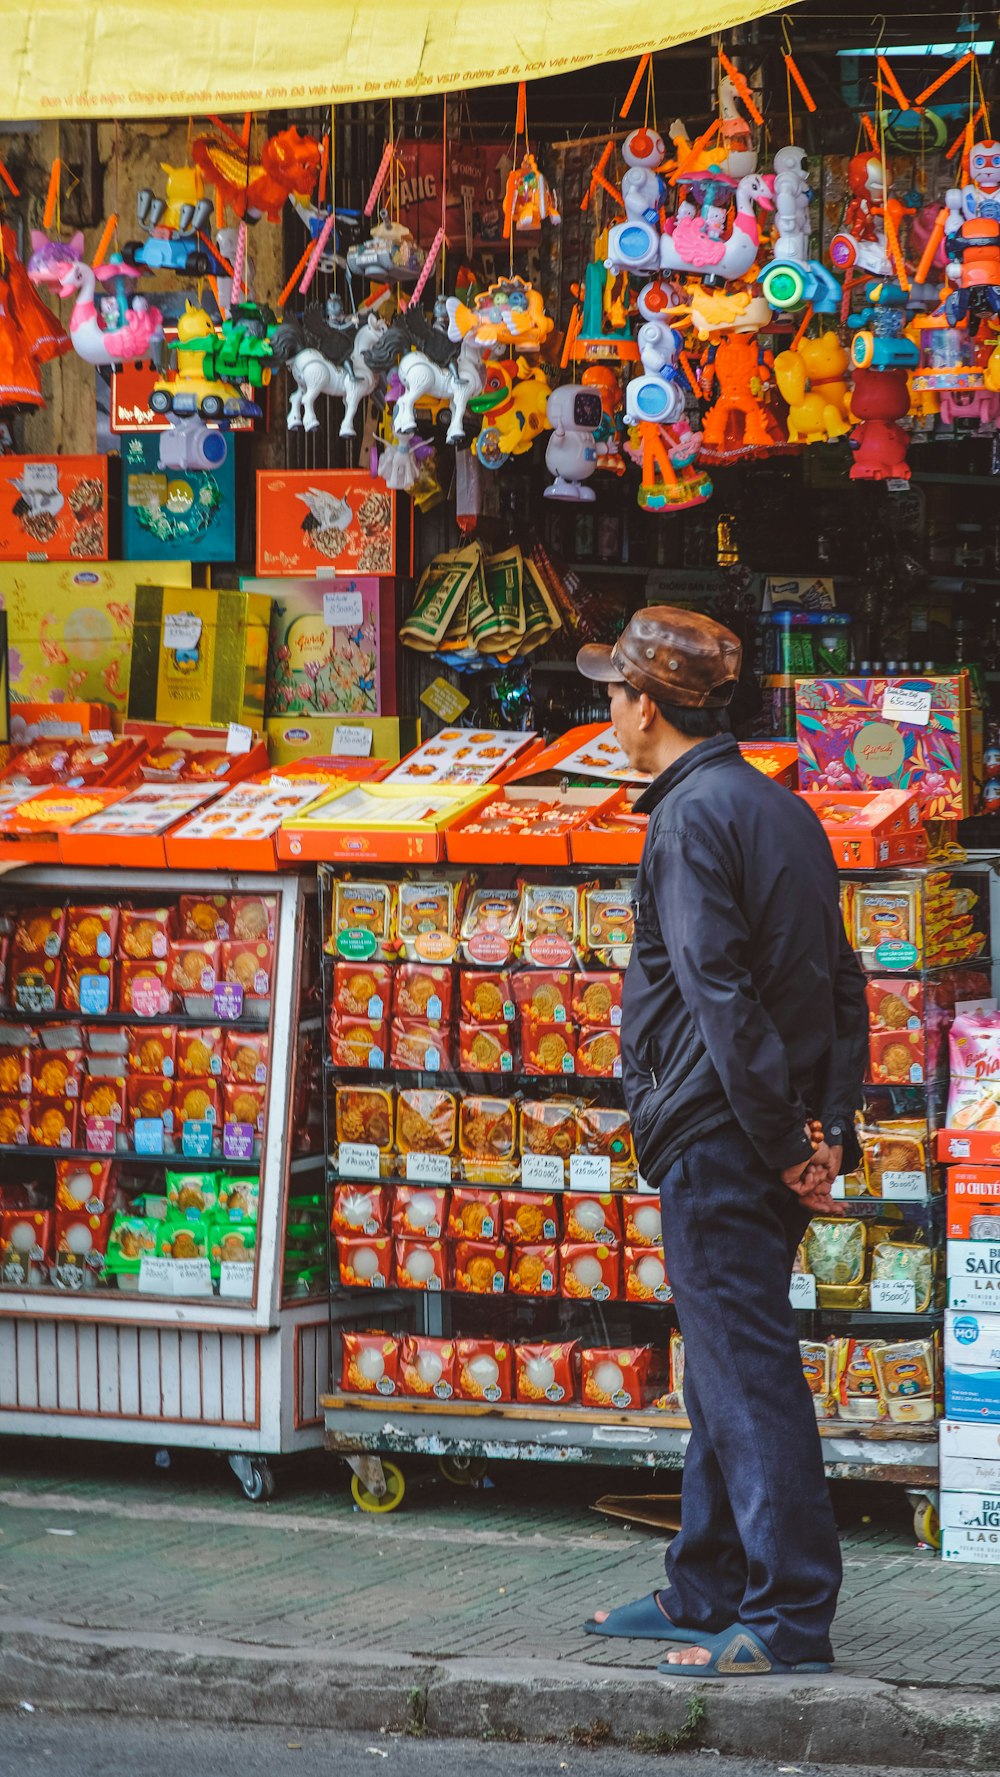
(643, 1621)
(739, 1652)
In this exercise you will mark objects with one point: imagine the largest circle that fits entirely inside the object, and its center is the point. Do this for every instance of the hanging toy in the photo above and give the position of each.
(738, 424)
(695, 242)
(174, 229)
(791, 279)
(514, 405)
(811, 379)
(193, 390)
(669, 481)
(288, 167)
(432, 367)
(511, 312)
(390, 255)
(880, 340)
(604, 382)
(529, 199)
(324, 354)
(571, 455)
(51, 260)
(634, 245)
(136, 334)
(658, 394)
(871, 222)
(879, 398)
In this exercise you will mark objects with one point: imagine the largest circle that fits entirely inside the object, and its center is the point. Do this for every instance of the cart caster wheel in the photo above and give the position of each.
(462, 1471)
(395, 1487)
(927, 1524)
(255, 1476)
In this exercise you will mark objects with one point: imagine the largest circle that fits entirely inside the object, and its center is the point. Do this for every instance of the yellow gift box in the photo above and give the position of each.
(290, 738)
(386, 823)
(199, 656)
(69, 627)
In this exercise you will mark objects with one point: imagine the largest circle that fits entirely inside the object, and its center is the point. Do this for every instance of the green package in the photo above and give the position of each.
(182, 1237)
(239, 1197)
(192, 1193)
(130, 1237)
(439, 594)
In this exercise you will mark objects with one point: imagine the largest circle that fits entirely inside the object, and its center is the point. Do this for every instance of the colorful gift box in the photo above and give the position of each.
(330, 518)
(906, 734)
(54, 508)
(176, 514)
(317, 667)
(69, 627)
(199, 656)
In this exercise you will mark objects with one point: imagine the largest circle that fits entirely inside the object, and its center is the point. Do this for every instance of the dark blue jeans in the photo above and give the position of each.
(758, 1542)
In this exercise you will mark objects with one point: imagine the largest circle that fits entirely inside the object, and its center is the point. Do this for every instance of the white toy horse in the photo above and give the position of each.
(327, 357)
(432, 367)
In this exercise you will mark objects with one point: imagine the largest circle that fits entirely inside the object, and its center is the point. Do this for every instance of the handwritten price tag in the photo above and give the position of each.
(236, 1278)
(903, 703)
(428, 1169)
(155, 1276)
(894, 1298)
(343, 610)
(192, 1277)
(358, 1159)
(181, 632)
(542, 1172)
(590, 1172)
(904, 1187)
(352, 740)
(802, 1290)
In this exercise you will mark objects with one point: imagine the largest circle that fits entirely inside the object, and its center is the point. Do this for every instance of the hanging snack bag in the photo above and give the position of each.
(360, 1209)
(365, 1263)
(530, 1217)
(205, 918)
(475, 1214)
(370, 1363)
(422, 990)
(427, 1367)
(419, 1212)
(362, 990)
(645, 1276)
(481, 1267)
(144, 933)
(593, 1217)
(590, 1273)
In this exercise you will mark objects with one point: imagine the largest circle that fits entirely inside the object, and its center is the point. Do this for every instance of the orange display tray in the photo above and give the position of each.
(870, 829)
(618, 839)
(524, 846)
(134, 832)
(777, 759)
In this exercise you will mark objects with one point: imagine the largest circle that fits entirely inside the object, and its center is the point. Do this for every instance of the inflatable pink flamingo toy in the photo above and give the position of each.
(694, 243)
(139, 330)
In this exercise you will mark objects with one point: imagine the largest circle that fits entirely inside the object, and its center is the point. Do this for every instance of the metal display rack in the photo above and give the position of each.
(240, 1376)
(466, 1435)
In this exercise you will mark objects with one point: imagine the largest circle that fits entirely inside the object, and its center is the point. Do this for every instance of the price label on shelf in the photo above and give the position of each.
(236, 1278)
(147, 1135)
(181, 632)
(894, 1298)
(802, 1290)
(101, 737)
(343, 610)
(192, 1277)
(227, 1000)
(237, 1141)
(358, 1159)
(590, 1172)
(156, 1276)
(353, 740)
(838, 1190)
(197, 1136)
(428, 1169)
(904, 1187)
(101, 1135)
(239, 738)
(542, 1172)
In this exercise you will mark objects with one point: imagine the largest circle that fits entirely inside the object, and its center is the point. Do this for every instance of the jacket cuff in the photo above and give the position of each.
(789, 1153)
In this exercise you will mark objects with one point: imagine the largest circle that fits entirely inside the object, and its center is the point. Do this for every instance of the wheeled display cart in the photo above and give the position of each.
(192, 1352)
(463, 1433)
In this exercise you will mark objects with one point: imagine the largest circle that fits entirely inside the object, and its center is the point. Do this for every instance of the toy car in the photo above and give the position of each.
(184, 253)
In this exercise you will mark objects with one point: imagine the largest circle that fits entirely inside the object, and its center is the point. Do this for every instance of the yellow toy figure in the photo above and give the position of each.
(514, 402)
(185, 188)
(811, 380)
(510, 313)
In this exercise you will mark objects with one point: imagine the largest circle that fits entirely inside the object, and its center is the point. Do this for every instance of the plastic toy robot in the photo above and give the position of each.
(575, 415)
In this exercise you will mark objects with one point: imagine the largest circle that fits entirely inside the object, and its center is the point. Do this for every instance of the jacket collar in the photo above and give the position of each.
(715, 751)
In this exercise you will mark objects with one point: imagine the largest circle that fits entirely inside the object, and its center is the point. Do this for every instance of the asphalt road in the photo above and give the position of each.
(103, 1746)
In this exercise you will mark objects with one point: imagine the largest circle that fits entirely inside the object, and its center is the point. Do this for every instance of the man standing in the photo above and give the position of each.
(744, 1041)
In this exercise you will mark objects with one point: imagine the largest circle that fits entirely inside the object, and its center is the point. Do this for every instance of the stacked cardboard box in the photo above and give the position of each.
(970, 1432)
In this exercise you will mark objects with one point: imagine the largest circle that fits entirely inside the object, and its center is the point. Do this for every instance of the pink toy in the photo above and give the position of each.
(879, 398)
(691, 242)
(51, 260)
(134, 339)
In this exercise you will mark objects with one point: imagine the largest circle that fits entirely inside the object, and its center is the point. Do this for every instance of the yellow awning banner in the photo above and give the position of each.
(147, 58)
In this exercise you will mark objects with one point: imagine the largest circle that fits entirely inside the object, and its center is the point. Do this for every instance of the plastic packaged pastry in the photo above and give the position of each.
(534, 1269)
(590, 1273)
(643, 1221)
(245, 1057)
(895, 1005)
(419, 1046)
(905, 1376)
(248, 966)
(365, 1263)
(360, 1208)
(39, 931)
(145, 932)
(896, 1057)
(35, 981)
(548, 911)
(614, 1377)
(153, 1050)
(593, 1217)
(91, 931)
(426, 1121)
(197, 1101)
(427, 1367)
(193, 966)
(253, 919)
(543, 996)
(182, 1237)
(421, 1265)
(481, 1267)
(487, 1127)
(362, 990)
(364, 1114)
(56, 1072)
(84, 1184)
(817, 1368)
(422, 990)
(149, 1099)
(894, 1147)
(192, 1193)
(88, 985)
(484, 1370)
(15, 1071)
(244, 1104)
(419, 1212)
(428, 919)
(491, 927)
(605, 1129)
(475, 1213)
(599, 1054)
(546, 1374)
(143, 989)
(486, 997)
(358, 1042)
(857, 1390)
(548, 1048)
(549, 1126)
(834, 1251)
(896, 1262)
(486, 1048)
(530, 1217)
(15, 1121)
(887, 917)
(609, 925)
(103, 1097)
(53, 1122)
(597, 998)
(205, 918)
(369, 1363)
(645, 1275)
(363, 912)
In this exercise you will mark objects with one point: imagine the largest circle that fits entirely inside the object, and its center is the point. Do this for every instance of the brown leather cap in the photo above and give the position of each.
(677, 656)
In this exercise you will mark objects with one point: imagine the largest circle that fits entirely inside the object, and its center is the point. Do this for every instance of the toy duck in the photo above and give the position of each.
(693, 243)
(134, 338)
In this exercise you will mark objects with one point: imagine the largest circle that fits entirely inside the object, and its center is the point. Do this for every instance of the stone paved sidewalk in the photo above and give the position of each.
(97, 1538)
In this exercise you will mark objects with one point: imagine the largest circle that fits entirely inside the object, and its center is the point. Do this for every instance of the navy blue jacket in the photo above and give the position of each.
(743, 1001)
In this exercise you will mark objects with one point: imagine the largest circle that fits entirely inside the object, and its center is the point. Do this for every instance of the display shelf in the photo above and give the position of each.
(179, 1020)
(906, 1455)
(122, 1156)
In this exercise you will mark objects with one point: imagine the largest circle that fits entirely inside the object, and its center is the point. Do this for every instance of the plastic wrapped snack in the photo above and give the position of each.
(856, 1385)
(154, 1050)
(145, 932)
(548, 1048)
(895, 1005)
(53, 1122)
(426, 1122)
(905, 1376)
(248, 966)
(550, 911)
(363, 913)
(427, 1367)
(422, 990)
(192, 1193)
(143, 989)
(360, 1208)
(549, 1126)
(364, 1114)
(419, 1212)
(88, 985)
(200, 1053)
(817, 1367)
(597, 999)
(427, 918)
(420, 1047)
(91, 931)
(543, 996)
(834, 1251)
(546, 1374)
(362, 990)
(491, 927)
(590, 1273)
(485, 1048)
(643, 1221)
(56, 1072)
(253, 918)
(896, 1147)
(615, 1377)
(645, 1275)
(484, 1370)
(593, 1217)
(605, 1129)
(421, 1265)
(481, 1267)
(534, 1269)
(358, 1042)
(369, 1363)
(608, 925)
(887, 924)
(365, 1263)
(205, 918)
(487, 1128)
(896, 1057)
(486, 997)
(530, 1217)
(245, 1058)
(39, 931)
(475, 1214)
(894, 1262)
(599, 1054)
